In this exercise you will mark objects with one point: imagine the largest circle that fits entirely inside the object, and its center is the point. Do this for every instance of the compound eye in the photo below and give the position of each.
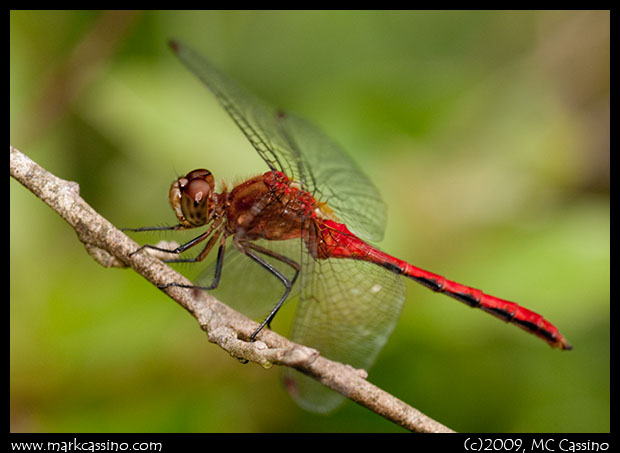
(196, 191)
(201, 174)
(192, 197)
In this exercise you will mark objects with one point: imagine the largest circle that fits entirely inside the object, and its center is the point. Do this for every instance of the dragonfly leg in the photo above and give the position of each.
(202, 255)
(288, 284)
(180, 249)
(218, 264)
(177, 227)
(285, 259)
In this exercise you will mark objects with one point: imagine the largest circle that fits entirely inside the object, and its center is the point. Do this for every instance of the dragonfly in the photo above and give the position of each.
(303, 231)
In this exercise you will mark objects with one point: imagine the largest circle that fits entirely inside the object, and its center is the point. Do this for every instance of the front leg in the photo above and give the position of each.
(180, 249)
(218, 265)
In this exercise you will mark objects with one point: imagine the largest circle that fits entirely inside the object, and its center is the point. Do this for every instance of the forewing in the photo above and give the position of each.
(347, 308)
(256, 119)
(297, 148)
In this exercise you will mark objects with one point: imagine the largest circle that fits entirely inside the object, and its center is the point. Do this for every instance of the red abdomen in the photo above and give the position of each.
(336, 241)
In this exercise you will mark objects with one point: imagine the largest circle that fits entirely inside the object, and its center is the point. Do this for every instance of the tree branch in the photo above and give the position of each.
(224, 326)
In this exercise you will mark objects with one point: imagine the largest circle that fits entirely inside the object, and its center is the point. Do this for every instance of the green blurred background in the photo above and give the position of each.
(486, 132)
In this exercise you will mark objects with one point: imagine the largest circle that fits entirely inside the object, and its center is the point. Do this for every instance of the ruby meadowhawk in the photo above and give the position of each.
(304, 225)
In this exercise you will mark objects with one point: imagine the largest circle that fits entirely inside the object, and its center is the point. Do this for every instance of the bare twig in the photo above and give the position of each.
(224, 326)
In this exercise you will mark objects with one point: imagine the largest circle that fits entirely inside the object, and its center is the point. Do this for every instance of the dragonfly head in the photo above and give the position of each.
(192, 197)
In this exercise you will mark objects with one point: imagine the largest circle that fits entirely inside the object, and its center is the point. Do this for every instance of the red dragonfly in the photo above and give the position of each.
(306, 222)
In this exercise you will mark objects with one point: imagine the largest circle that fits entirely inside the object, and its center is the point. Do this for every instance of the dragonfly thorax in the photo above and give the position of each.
(193, 198)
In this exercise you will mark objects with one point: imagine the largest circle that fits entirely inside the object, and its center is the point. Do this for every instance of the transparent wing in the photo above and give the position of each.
(347, 308)
(338, 181)
(256, 119)
(295, 147)
(347, 311)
